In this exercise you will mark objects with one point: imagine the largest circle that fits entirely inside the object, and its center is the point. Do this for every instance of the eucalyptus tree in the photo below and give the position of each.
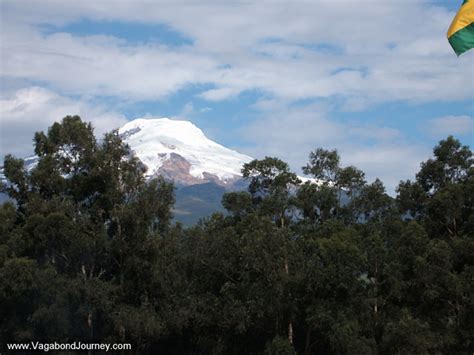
(87, 222)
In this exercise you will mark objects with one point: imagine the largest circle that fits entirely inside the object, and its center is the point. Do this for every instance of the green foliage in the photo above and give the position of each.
(280, 346)
(77, 243)
(451, 165)
(323, 165)
(89, 252)
(238, 203)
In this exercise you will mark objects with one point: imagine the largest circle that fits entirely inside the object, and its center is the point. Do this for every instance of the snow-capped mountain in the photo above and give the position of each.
(177, 150)
(180, 151)
(202, 169)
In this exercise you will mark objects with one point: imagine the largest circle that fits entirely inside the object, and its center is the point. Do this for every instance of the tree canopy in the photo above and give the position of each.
(89, 251)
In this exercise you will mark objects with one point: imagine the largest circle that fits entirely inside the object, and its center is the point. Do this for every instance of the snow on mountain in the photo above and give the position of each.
(30, 163)
(177, 150)
(180, 150)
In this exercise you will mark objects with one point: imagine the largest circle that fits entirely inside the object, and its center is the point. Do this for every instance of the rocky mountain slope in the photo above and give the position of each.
(201, 169)
(178, 150)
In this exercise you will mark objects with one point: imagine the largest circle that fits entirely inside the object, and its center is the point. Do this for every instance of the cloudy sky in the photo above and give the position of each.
(375, 79)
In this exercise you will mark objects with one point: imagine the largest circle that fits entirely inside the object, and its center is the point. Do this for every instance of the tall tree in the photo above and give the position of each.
(86, 212)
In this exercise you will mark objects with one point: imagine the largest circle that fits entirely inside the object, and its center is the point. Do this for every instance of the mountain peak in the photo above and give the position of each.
(161, 142)
(179, 151)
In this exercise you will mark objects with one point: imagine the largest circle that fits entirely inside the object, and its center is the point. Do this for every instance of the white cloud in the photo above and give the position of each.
(451, 125)
(361, 53)
(98, 65)
(293, 133)
(219, 94)
(291, 51)
(388, 161)
(34, 109)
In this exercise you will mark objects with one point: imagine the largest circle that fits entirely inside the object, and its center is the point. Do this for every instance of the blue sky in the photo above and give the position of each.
(375, 79)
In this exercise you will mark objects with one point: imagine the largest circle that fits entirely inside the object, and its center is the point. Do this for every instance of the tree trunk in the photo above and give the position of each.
(91, 329)
(307, 341)
(290, 323)
(290, 332)
(287, 272)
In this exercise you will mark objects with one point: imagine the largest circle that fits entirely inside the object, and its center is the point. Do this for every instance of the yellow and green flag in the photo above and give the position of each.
(461, 31)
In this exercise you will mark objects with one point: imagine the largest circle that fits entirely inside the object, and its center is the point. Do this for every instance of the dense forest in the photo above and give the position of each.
(89, 251)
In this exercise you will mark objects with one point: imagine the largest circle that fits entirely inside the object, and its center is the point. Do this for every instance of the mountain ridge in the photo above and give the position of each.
(180, 151)
(201, 169)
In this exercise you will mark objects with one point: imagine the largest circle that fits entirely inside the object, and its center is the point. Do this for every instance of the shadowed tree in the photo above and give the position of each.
(85, 212)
